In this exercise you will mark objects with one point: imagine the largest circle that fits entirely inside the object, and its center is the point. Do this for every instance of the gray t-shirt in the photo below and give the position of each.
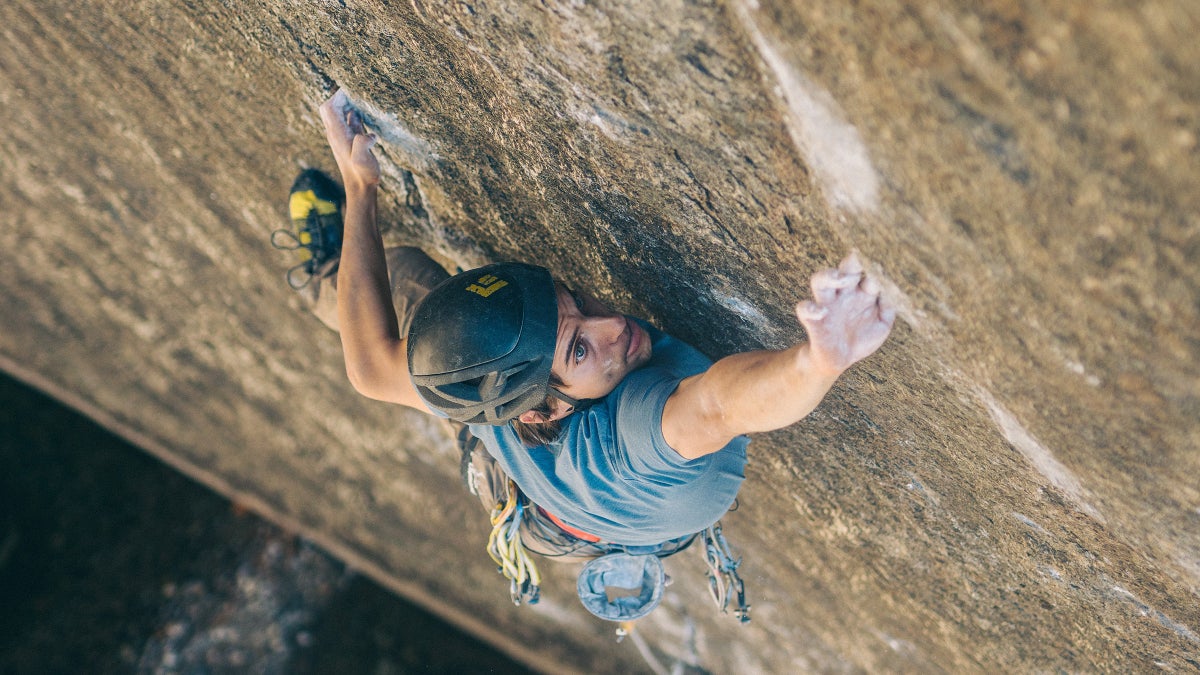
(611, 473)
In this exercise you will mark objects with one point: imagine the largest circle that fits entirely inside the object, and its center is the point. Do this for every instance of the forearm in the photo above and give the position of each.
(369, 331)
(746, 393)
(766, 390)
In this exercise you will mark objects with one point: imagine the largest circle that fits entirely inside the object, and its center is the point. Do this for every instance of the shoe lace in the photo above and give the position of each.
(321, 231)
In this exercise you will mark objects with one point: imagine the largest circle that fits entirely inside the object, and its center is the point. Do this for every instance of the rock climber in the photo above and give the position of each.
(619, 434)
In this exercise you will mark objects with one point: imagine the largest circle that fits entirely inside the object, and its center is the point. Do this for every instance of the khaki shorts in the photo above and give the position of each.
(412, 275)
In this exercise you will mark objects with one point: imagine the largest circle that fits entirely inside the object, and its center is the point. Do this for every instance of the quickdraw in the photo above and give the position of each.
(507, 551)
(723, 579)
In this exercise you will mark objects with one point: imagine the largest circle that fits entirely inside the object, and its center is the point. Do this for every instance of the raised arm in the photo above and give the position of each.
(376, 359)
(846, 321)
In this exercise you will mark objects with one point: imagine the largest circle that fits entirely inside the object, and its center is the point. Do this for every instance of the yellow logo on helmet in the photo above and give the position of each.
(487, 285)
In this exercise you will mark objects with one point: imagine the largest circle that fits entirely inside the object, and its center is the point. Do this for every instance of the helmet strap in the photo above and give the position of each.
(575, 404)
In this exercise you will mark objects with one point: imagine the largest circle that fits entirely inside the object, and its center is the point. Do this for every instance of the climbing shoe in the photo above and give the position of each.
(315, 204)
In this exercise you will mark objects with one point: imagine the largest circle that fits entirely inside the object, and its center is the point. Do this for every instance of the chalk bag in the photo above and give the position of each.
(621, 587)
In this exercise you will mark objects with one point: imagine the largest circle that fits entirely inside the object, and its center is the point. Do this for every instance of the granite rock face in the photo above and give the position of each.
(1011, 483)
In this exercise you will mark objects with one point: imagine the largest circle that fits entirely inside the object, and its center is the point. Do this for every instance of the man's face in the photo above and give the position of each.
(596, 347)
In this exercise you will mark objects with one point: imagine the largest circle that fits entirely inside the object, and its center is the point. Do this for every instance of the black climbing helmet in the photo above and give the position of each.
(481, 343)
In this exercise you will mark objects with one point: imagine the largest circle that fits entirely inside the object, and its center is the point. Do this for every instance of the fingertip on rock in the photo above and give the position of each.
(811, 311)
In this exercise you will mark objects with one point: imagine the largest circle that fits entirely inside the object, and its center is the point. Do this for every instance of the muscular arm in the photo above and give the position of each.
(376, 358)
(764, 390)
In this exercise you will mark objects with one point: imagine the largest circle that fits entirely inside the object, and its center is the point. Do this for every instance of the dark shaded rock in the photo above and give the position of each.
(111, 562)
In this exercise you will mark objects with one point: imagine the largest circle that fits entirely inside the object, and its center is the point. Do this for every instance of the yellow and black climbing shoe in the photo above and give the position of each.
(315, 203)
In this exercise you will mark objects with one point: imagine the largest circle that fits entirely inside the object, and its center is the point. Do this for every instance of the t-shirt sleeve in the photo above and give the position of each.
(639, 411)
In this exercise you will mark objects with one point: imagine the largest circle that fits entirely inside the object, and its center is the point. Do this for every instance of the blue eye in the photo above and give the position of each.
(580, 351)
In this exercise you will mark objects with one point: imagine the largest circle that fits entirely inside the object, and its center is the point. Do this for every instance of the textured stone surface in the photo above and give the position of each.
(1009, 484)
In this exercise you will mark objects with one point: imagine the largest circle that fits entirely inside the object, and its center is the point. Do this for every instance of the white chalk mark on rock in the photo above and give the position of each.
(830, 145)
(748, 312)
(1029, 522)
(417, 151)
(1163, 620)
(1050, 572)
(1038, 455)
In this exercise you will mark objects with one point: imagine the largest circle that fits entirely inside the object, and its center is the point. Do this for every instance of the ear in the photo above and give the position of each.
(561, 410)
(532, 417)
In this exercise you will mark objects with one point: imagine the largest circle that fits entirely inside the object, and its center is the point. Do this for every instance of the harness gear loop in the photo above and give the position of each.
(507, 551)
(723, 579)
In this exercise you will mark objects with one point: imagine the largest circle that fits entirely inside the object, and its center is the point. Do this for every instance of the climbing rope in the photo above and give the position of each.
(506, 549)
(723, 579)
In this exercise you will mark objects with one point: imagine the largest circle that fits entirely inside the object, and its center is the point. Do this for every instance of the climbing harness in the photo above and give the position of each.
(723, 579)
(623, 583)
(506, 549)
(314, 203)
(619, 583)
